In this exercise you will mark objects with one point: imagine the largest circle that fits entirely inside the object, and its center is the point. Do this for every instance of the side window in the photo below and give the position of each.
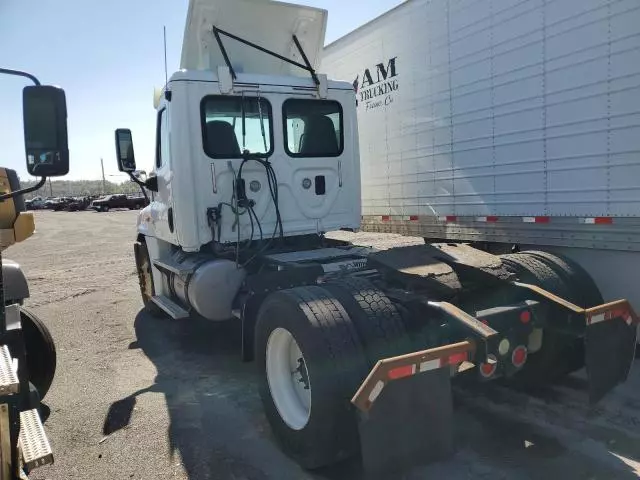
(313, 128)
(231, 125)
(160, 137)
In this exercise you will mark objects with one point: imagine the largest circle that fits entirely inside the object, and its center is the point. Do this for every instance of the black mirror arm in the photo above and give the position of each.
(18, 73)
(140, 183)
(37, 186)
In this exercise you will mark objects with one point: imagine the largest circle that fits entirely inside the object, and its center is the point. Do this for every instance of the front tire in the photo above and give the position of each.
(310, 363)
(41, 351)
(145, 279)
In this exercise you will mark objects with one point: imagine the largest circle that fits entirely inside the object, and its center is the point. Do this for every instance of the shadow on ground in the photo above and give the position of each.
(219, 430)
(216, 421)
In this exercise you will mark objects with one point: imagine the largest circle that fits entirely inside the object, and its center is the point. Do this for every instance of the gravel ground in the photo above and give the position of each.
(141, 398)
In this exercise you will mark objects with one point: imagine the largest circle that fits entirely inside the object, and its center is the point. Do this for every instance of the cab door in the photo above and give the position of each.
(314, 158)
(162, 206)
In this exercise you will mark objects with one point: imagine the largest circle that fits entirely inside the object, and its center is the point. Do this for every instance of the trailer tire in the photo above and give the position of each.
(375, 318)
(40, 351)
(559, 355)
(145, 279)
(323, 430)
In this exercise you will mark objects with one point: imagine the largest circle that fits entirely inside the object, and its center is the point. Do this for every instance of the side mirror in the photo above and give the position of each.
(124, 150)
(45, 131)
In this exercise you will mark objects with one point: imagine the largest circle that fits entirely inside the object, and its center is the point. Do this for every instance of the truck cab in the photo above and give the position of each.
(215, 137)
(256, 153)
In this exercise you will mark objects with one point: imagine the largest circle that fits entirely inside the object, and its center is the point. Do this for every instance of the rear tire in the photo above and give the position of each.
(41, 351)
(560, 354)
(334, 366)
(582, 289)
(375, 318)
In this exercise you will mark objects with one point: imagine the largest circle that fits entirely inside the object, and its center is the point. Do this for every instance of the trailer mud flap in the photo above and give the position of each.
(609, 354)
(405, 410)
(610, 340)
(410, 425)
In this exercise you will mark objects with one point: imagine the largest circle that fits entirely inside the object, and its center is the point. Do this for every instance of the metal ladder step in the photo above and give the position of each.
(172, 266)
(170, 307)
(9, 383)
(33, 441)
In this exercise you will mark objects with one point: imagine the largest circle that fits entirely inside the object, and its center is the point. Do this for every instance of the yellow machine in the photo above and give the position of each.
(15, 225)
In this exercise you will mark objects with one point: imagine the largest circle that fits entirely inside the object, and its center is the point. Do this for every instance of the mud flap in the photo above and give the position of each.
(609, 353)
(410, 424)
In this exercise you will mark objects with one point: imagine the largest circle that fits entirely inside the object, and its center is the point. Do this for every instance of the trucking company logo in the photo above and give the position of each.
(377, 86)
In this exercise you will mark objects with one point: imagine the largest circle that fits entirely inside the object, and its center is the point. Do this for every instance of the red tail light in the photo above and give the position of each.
(489, 369)
(519, 356)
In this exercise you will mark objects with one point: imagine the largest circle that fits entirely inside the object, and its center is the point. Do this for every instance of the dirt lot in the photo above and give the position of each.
(196, 412)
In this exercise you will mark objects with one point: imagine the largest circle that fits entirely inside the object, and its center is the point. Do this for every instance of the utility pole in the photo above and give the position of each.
(103, 181)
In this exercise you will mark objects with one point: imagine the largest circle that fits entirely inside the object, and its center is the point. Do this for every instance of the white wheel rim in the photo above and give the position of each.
(288, 379)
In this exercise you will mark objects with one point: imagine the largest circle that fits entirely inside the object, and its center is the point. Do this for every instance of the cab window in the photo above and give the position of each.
(223, 133)
(161, 138)
(313, 128)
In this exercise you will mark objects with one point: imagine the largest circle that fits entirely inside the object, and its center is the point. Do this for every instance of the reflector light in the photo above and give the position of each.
(525, 316)
(519, 356)
(457, 358)
(488, 369)
(620, 313)
(401, 372)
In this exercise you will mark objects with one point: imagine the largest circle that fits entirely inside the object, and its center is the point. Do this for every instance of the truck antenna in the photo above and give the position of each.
(164, 33)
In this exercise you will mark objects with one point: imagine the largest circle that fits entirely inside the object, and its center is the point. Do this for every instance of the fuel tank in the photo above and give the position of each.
(211, 287)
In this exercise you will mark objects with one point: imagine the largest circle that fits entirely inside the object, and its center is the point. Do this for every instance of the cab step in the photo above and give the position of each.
(170, 265)
(170, 307)
(9, 383)
(33, 441)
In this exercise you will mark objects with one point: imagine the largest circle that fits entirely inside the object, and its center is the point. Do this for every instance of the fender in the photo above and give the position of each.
(16, 287)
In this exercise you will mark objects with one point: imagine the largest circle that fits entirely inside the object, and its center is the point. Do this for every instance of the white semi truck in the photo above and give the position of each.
(503, 122)
(257, 158)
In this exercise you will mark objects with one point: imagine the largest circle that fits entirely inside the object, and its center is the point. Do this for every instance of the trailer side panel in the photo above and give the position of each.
(474, 115)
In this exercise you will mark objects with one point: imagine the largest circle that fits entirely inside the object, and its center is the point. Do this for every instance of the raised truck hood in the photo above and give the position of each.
(269, 24)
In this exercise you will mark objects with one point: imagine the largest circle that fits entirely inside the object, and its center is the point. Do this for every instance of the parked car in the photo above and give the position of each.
(118, 201)
(78, 203)
(137, 202)
(62, 204)
(50, 203)
(36, 203)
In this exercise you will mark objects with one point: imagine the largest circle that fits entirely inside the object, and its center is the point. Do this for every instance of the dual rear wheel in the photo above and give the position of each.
(314, 346)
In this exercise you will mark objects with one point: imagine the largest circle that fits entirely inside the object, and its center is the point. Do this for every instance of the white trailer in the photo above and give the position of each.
(257, 158)
(503, 122)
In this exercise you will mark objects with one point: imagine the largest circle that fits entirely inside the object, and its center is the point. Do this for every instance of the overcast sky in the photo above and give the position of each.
(108, 57)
